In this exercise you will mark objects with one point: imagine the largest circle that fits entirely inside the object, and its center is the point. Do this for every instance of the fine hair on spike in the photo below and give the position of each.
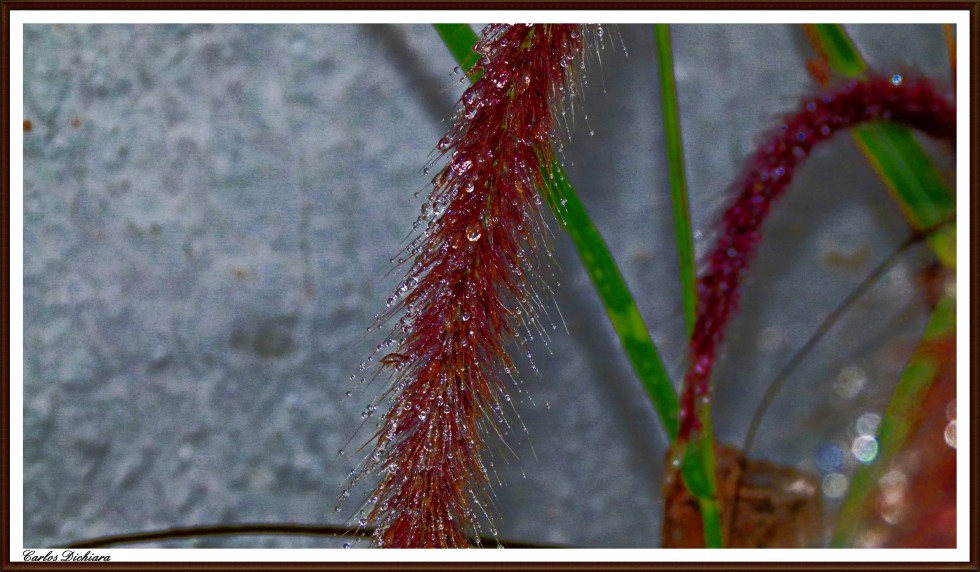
(466, 295)
(909, 101)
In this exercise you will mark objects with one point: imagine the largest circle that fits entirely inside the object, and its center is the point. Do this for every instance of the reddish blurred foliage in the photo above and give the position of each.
(915, 503)
(819, 70)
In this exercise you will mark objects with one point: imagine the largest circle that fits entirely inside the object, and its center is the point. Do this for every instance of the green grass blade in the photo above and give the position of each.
(893, 151)
(619, 304)
(460, 39)
(841, 54)
(678, 180)
(895, 427)
(909, 173)
(601, 267)
(699, 461)
(698, 472)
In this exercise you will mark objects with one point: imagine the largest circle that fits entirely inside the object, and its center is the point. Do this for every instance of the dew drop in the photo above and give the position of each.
(347, 545)
(896, 80)
(444, 143)
(473, 233)
(591, 132)
(469, 187)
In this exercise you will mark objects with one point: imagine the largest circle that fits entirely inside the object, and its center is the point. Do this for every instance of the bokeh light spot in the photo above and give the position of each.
(865, 448)
(834, 485)
(951, 434)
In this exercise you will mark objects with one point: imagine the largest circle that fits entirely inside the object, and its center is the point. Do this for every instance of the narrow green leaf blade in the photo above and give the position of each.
(839, 49)
(911, 176)
(678, 180)
(460, 39)
(620, 306)
(698, 468)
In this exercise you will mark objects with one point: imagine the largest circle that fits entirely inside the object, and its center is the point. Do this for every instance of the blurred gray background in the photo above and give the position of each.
(209, 217)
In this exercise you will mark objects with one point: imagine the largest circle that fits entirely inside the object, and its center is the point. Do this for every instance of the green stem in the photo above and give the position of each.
(678, 180)
(698, 472)
(699, 467)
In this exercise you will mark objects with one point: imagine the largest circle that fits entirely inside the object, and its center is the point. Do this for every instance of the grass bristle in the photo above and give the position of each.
(467, 292)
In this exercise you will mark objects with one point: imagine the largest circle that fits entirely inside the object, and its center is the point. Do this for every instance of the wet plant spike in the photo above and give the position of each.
(467, 291)
(908, 101)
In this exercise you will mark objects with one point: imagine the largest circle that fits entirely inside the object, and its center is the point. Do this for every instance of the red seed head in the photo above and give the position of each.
(912, 102)
(466, 286)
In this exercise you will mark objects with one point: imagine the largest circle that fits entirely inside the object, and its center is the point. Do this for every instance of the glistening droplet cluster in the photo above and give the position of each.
(469, 276)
